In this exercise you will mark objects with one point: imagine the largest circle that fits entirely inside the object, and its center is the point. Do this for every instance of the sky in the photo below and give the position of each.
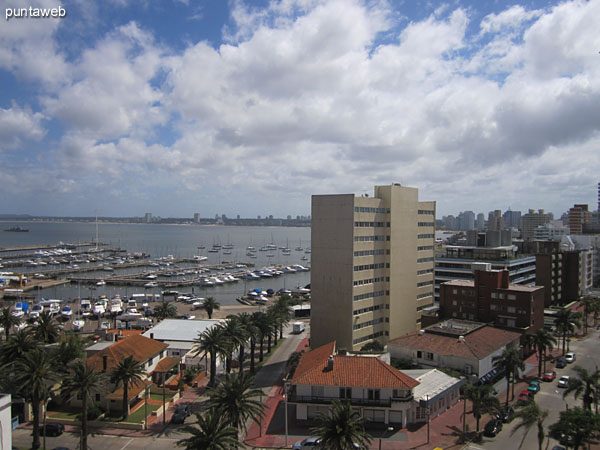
(250, 107)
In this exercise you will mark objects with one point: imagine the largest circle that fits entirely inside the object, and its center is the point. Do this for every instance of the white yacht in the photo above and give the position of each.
(116, 305)
(98, 309)
(78, 324)
(85, 307)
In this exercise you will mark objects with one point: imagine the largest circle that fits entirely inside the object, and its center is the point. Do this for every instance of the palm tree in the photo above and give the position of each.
(35, 372)
(586, 384)
(282, 310)
(128, 372)
(341, 428)
(19, 344)
(235, 336)
(212, 433)
(566, 321)
(8, 320)
(165, 310)
(211, 342)
(510, 362)
(236, 400)
(83, 383)
(543, 341)
(47, 330)
(210, 305)
(275, 319)
(70, 349)
(263, 324)
(530, 415)
(250, 331)
(482, 400)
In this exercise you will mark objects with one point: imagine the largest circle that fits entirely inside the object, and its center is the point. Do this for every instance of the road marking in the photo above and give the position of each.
(130, 441)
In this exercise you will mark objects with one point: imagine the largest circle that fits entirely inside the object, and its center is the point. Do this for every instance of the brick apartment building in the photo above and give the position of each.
(491, 299)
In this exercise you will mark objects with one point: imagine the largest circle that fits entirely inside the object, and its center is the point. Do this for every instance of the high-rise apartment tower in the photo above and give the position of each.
(372, 265)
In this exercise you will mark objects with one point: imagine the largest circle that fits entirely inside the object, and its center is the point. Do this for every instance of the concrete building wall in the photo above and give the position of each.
(332, 236)
(5, 422)
(367, 282)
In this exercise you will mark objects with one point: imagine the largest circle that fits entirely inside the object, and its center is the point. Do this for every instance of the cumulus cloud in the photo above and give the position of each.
(304, 97)
(17, 125)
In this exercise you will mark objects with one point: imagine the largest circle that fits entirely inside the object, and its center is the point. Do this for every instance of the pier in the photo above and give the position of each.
(49, 247)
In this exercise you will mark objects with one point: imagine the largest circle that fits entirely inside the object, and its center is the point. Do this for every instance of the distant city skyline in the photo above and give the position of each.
(251, 107)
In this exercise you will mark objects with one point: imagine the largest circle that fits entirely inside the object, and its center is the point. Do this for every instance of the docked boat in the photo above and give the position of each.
(151, 284)
(35, 311)
(101, 283)
(116, 306)
(98, 309)
(300, 268)
(78, 324)
(130, 315)
(85, 307)
(66, 311)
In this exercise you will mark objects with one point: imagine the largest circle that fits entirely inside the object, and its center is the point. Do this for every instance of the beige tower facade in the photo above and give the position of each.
(372, 265)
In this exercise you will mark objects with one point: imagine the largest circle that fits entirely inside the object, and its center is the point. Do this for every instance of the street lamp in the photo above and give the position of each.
(45, 409)
(285, 397)
(389, 429)
(146, 406)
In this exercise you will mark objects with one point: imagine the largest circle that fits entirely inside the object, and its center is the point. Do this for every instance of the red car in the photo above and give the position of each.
(549, 376)
(525, 395)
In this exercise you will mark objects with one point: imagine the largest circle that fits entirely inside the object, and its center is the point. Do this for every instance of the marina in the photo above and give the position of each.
(149, 259)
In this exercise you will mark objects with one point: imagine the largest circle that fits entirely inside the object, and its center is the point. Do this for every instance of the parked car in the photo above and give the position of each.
(561, 363)
(549, 376)
(506, 415)
(525, 396)
(563, 382)
(181, 412)
(493, 427)
(52, 429)
(534, 387)
(312, 443)
(570, 357)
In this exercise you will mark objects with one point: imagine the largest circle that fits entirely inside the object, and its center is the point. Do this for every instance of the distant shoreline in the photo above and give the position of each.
(116, 222)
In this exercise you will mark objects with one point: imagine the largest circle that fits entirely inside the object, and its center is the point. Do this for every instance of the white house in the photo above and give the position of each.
(380, 393)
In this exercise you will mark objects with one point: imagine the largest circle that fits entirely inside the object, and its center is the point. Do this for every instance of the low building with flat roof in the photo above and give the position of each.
(468, 347)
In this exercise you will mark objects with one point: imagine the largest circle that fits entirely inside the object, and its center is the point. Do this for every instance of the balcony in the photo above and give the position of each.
(408, 398)
(294, 398)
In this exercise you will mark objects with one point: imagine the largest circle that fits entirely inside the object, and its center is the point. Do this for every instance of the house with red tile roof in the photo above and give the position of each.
(149, 353)
(379, 392)
(468, 347)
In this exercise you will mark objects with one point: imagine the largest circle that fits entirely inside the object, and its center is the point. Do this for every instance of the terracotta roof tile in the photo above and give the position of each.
(140, 347)
(350, 371)
(477, 344)
(167, 364)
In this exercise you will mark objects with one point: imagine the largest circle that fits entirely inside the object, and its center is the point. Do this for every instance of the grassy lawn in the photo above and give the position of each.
(63, 415)
(136, 417)
(158, 396)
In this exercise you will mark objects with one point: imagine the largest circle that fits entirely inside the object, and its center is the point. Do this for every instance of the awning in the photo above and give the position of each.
(166, 364)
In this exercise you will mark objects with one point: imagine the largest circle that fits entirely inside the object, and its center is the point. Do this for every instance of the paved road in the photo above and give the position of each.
(549, 398)
(265, 378)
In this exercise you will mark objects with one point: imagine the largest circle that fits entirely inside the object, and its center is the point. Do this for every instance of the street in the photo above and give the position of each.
(549, 398)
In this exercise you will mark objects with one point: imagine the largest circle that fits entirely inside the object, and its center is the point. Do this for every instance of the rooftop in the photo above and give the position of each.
(349, 371)
(140, 347)
(179, 329)
(476, 345)
(454, 327)
(433, 382)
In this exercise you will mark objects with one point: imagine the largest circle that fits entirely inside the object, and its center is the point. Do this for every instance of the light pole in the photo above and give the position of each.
(391, 430)
(285, 397)
(260, 416)
(164, 410)
(45, 409)
(146, 406)
(427, 411)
